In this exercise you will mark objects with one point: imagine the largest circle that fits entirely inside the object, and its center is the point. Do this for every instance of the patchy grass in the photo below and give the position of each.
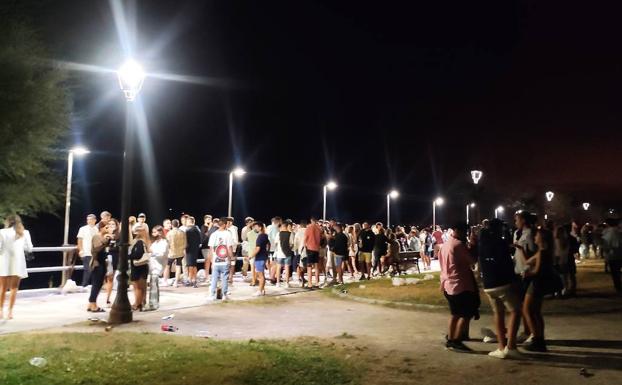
(595, 292)
(129, 358)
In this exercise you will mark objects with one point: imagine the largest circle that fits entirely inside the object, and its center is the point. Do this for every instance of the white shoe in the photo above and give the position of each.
(287, 285)
(489, 340)
(210, 298)
(497, 354)
(528, 340)
(512, 353)
(258, 294)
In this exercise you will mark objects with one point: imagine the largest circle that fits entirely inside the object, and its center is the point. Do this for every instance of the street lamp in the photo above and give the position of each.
(328, 186)
(470, 205)
(76, 151)
(437, 202)
(238, 172)
(476, 175)
(586, 206)
(391, 195)
(549, 197)
(131, 77)
(498, 211)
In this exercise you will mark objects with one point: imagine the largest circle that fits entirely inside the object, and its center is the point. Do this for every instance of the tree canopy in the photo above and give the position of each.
(34, 117)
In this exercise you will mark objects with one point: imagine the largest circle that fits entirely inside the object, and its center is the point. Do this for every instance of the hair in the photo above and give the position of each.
(105, 213)
(304, 222)
(141, 234)
(547, 238)
(190, 219)
(175, 223)
(160, 231)
(91, 216)
(117, 228)
(15, 221)
(261, 225)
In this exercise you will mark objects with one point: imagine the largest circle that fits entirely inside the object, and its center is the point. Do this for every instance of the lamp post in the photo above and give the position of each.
(131, 77)
(238, 172)
(437, 202)
(328, 186)
(498, 211)
(391, 195)
(549, 197)
(76, 151)
(468, 206)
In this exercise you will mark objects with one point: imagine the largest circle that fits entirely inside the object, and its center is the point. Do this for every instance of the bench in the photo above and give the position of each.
(409, 258)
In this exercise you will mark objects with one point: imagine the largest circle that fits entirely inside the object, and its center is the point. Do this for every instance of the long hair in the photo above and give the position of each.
(547, 238)
(15, 222)
(117, 228)
(141, 234)
(160, 231)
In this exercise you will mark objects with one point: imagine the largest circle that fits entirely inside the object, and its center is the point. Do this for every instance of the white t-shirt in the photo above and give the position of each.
(233, 229)
(220, 238)
(86, 233)
(527, 242)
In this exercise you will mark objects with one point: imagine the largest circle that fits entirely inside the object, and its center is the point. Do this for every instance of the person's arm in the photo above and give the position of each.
(535, 262)
(27, 242)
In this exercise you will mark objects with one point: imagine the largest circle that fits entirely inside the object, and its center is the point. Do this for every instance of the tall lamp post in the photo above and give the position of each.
(76, 151)
(328, 186)
(391, 195)
(131, 77)
(549, 197)
(238, 172)
(437, 202)
(498, 211)
(469, 206)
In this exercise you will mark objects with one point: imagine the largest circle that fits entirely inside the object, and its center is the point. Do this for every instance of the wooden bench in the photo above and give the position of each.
(409, 258)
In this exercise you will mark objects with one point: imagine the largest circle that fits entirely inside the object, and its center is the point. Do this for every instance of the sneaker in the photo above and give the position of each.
(512, 353)
(489, 340)
(498, 354)
(458, 347)
(194, 285)
(521, 338)
(287, 285)
(258, 294)
(528, 340)
(176, 285)
(537, 345)
(210, 298)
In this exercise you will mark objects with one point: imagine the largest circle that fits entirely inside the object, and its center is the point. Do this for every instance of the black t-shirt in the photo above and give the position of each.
(263, 243)
(340, 244)
(284, 237)
(193, 236)
(366, 239)
(380, 243)
(495, 260)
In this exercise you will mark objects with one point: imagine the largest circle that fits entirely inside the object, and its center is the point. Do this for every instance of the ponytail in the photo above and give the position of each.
(16, 222)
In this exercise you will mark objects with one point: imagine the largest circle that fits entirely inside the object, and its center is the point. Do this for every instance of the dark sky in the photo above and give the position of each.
(376, 95)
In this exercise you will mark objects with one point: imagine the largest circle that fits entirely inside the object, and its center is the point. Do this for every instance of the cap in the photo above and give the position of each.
(142, 215)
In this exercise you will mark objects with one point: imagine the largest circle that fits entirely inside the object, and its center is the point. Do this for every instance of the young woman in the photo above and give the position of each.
(112, 259)
(138, 273)
(260, 254)
(562, 251)
(541, 279)
(14, 242)
(353, 249)
(98, 268)
(157, 261)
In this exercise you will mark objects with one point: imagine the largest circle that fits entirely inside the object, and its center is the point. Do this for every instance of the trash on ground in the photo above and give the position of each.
(169, 328)
(203, 334)
(168, 317)
(344, 291)
(362, 286)
(108, 328)
(428, 277)
(39, 362)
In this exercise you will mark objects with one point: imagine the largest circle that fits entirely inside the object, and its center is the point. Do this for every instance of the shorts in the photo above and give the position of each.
(313, 257)
(377, 255)
(172, 260)
(323, 252)
(501, 297)
(339, 259)
(284, 261)
(464, 305)
(260, 265)
(364, 257)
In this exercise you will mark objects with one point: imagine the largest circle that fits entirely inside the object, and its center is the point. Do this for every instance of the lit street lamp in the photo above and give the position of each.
(328, 186)
(76, 151)
(238, 172)
(131, 77)
(476, 175)
(498, 211)
(437, 202)
(391, 195)
(549, 197)
(586, 206)
(468, 206)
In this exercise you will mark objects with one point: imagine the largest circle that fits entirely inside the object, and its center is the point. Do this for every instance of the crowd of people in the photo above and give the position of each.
(516, 267)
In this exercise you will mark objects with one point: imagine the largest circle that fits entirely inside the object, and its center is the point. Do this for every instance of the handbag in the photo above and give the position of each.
(30, 256)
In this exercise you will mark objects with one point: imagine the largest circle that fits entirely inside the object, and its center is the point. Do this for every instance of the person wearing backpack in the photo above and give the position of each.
(612, 250)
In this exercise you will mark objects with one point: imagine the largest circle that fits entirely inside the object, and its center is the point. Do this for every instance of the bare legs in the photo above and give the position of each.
(11, 283)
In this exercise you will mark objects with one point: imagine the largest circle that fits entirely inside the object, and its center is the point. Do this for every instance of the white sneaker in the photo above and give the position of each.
(258, 294)
(512, 353)
(287, 285)
(489, 340)
(528, 340)
(497, 354)
(210, 298)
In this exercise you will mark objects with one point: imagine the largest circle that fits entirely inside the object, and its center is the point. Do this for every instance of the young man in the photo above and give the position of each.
(85, 244)
(233, 229)
(366, 247)
(284, 253)
(221, 254)
(501, 286)
(312, 246)
(246, 230)
(273, 236)
(193, 248)
(339, 246)
(177, 250)
(458, 286)
(205, 228)
(381, 247)
(300, 260)
(212, 230)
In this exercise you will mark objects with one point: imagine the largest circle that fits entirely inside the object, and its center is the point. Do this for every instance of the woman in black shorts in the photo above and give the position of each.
(138, 274)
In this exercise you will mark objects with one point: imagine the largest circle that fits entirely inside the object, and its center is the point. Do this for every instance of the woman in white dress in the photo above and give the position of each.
(14, 242)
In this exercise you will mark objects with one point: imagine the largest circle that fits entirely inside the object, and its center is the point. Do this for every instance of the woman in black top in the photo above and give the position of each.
(112, 232)
(138, 274)
(97, 268)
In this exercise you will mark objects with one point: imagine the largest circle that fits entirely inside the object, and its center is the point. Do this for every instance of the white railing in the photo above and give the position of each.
(67, 250)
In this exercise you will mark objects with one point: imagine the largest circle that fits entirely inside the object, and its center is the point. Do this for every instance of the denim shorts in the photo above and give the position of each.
(339, 260)
(284, 261)
(260, 265)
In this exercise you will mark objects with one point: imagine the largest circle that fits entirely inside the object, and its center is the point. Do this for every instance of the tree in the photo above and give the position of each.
(34, 116)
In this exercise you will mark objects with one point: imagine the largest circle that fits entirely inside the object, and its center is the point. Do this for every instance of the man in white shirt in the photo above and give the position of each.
(246, 245)
(85, 244)
(220, 253)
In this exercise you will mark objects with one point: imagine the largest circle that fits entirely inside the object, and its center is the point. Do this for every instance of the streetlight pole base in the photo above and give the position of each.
(121, 312)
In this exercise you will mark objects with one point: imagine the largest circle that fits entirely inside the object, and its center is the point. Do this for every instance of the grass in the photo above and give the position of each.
(129, 358)
(594, 292)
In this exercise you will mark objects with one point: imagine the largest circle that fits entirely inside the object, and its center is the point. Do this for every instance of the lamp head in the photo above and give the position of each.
(500, 209)
(476, 175)
(79, 151)
(331, 185)
(239, 172)
(131, 76)
(586, 206)
(472, 204)
(439, 201)
(549, 195)
(394, 194)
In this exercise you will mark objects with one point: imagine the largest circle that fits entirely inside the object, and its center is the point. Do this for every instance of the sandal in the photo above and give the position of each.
(98, 310)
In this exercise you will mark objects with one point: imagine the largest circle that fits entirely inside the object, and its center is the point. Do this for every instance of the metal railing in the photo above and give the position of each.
(68, 251)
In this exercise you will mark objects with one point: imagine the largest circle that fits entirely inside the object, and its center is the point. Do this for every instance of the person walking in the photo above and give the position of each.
(221, 253)
(15, 242)
(85, 243)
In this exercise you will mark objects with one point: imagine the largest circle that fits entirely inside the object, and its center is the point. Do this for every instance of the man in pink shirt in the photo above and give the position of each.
(458, 285)
(312, 247)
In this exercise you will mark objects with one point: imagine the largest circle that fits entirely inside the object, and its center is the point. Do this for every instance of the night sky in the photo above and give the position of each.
(375, 95)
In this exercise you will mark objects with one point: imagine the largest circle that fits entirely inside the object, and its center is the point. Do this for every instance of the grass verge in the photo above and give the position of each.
(129, 358)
